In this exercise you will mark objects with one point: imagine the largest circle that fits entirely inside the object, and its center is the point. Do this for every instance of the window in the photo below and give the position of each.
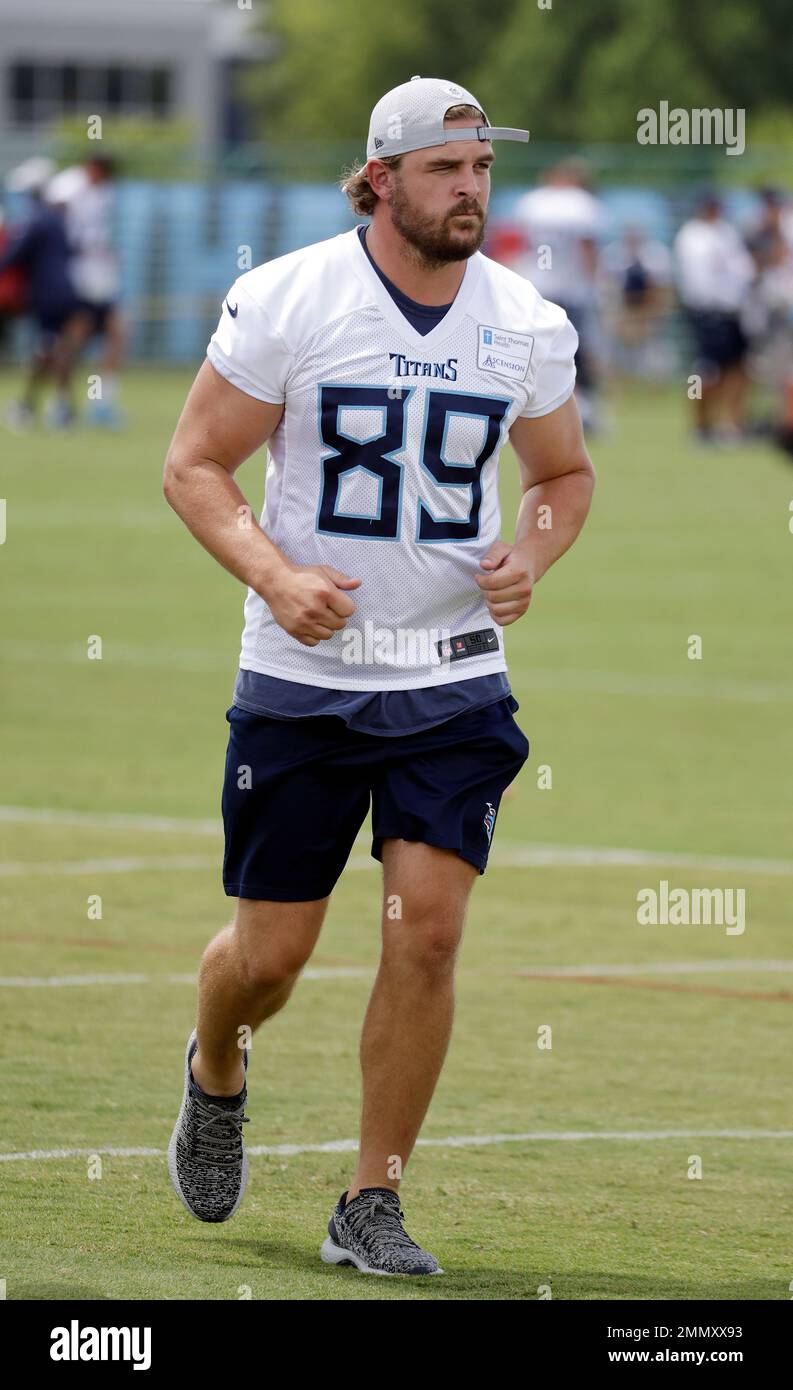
(41, 92)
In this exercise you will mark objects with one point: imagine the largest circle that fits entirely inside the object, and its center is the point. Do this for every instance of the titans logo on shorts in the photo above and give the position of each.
(297, 792)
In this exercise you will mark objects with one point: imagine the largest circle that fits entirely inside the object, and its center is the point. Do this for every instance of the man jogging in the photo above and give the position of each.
(385, 368)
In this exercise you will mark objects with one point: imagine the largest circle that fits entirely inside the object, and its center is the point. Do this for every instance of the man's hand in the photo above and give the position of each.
(507, 583)
(309, 601)
(219, 428)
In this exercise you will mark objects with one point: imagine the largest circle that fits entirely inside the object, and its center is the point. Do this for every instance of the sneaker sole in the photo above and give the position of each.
(333, 1254)
(172, 1171)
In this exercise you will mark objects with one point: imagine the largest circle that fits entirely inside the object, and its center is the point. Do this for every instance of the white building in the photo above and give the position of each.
(167, 58)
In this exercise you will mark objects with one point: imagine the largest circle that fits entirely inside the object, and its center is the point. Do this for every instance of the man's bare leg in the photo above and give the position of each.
(40, 369)
(705, 405)
(114, 344)
(247, 974)
(409, 1018)
(734, 392)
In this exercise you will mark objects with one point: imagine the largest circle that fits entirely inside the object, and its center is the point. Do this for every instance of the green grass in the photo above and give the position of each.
(649, 751)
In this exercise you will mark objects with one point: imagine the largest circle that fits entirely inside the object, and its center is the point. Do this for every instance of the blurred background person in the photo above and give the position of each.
(770, 245)
(715, 273)
(562, 222)
(13, 285)
(40, 249)
(94, 269)
(638, 271)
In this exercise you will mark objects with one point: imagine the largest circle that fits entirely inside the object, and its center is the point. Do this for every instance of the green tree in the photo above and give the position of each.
(576, 71)
(332, 61)
(582, 71)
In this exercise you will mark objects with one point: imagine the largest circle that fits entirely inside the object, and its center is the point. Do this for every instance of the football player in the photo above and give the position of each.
(385, 369)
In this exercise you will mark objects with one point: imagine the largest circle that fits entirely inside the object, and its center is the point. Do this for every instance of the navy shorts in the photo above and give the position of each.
(719, 339)
(51, 322)
(98, 314)
(296, 793)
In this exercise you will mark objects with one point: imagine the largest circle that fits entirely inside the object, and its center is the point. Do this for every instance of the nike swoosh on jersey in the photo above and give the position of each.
(233, 311)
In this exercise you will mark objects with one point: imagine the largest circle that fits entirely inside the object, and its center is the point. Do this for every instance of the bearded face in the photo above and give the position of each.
(438, 238)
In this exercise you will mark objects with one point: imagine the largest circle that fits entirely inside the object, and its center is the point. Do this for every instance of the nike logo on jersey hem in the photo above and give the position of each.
(466, 645)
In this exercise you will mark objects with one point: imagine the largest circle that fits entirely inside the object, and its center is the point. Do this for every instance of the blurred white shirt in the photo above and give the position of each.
(94, 267)
(560, 218)
(714, 268)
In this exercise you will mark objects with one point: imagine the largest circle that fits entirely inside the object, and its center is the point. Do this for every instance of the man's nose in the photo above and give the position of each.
(466, 185)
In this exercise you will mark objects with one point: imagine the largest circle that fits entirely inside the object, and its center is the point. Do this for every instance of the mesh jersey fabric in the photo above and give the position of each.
(390, 713)
(384, 463)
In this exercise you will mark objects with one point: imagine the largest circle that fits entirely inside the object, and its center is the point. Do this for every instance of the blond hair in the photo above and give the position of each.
(355, 185)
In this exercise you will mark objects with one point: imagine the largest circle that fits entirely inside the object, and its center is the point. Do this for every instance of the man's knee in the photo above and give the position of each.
(271, 969)
(274, 942)
(426, 937)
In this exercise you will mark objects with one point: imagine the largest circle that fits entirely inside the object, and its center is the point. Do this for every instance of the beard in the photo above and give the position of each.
(438, 240)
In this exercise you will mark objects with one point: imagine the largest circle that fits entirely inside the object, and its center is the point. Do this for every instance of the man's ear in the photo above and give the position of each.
(379, 176)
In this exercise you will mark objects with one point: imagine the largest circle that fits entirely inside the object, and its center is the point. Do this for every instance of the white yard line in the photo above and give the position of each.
(77, 867)
(661, 686)
(314, 972)
(359, 972)
(663, 967)
(108, 820)
(516, 856)
(506, 854)
(504, 857)
(451, 1141)
(193, 660)
(684, 686)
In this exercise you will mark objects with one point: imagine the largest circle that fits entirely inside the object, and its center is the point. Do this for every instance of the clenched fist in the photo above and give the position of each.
(309, 601)
(507, 583)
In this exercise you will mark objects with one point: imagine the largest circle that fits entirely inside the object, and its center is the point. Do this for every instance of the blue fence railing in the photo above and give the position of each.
(181, 244)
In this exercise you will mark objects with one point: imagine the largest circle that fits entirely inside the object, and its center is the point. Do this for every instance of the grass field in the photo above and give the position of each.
(668, 1041)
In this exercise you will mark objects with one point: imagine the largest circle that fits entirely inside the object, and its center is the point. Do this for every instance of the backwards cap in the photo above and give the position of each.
(410, 117)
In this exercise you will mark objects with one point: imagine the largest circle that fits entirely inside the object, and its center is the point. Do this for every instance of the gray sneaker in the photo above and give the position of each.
(369, 1234)
(206, 1156)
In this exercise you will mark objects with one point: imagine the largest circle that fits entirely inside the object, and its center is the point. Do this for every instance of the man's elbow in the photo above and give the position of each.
(588, 469)
(582, 467)
(172, 479)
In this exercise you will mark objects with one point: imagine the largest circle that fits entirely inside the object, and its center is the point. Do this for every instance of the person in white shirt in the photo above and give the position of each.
(96, 275)
(562, 222)
(385, 369)
(714, 276)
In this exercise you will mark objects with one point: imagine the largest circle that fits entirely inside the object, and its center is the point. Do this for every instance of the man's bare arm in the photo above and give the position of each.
(557, 479)
(219, 428)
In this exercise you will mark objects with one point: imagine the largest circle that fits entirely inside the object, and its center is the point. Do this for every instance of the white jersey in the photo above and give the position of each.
(714, 267)
(385, 462)
(557, 221)
(94, 267)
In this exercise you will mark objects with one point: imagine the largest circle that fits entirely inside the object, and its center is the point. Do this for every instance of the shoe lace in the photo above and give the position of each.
(388, 1217)
(216, 1133)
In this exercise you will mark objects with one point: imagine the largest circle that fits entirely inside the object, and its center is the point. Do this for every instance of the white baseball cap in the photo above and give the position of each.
(31, 176)
(410, 117)
(66, 185)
